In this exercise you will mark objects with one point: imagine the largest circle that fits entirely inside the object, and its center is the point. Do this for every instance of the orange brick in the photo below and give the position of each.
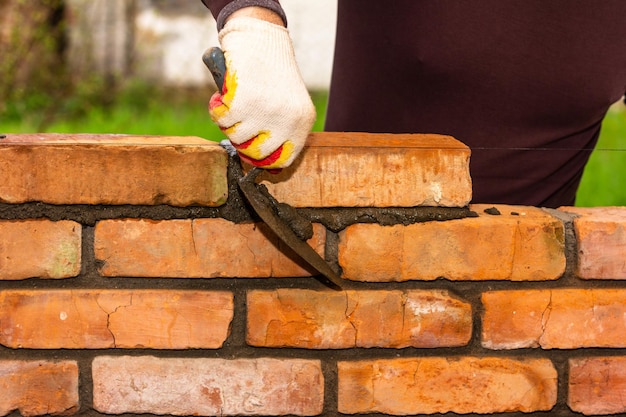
(601, 235)
(597, 385)
(440, 385)
(37, 388)
(346, 170)
(561, 319)
(39, 248)
(112, 169)
(201, 386)
(202, 248)
(99, 319)
(524, 247)
(340, 320)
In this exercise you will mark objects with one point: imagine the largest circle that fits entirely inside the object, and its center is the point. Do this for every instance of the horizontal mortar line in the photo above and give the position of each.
(304, 283)
(574, 283)
(235, 352)
(89, 214)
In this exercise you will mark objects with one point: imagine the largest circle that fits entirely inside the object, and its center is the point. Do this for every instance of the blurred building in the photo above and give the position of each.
(163, 40)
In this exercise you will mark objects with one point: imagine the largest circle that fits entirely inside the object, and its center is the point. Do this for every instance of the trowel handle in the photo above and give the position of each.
(213, 58)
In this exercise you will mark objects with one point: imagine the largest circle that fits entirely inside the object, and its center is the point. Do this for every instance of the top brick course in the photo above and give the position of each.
(335, 170)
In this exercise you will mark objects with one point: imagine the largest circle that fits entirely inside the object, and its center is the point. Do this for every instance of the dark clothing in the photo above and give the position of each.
(216, 6)
(221, 9)
(524, 83)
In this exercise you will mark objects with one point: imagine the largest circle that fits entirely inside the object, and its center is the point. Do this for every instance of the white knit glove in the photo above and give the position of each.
(264, 107)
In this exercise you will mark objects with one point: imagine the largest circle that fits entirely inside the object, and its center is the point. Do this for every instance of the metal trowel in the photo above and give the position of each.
(260, 201)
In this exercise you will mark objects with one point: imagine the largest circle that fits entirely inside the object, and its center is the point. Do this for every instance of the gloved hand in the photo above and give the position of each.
(264, 107)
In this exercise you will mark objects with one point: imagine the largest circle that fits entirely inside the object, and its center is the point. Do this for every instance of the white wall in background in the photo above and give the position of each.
(169, 46)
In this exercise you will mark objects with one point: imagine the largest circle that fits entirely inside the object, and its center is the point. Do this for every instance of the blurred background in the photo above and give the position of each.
(62, 60)
(134, 67)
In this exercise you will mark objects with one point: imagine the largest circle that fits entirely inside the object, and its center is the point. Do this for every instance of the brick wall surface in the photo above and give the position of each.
(135, 281)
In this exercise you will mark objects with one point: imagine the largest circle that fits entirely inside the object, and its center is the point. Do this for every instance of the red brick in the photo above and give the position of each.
(202, 248)
(39, 248)
(554, 319)
(340, 320)
(99, 319)
(440, 385)
(37, 388)
(524, 247)
(201, 386)
(597, 385)
(345, 170)
(601, 235)
(112, 169)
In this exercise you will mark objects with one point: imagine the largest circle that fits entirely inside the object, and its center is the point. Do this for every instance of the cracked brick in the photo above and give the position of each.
(37, 388)
(341, 320)
(100, 319)
(554, 319)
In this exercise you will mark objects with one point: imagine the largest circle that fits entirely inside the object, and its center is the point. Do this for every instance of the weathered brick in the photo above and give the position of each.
(560, 318)
(601, 235)
(112, 169)
(39, 248)
(98, 319)
(340, 320)
(200, 248)
(597, 385)
(38, 388)
(440, 385)
(521, 244)
(346, 170)
(200, 386)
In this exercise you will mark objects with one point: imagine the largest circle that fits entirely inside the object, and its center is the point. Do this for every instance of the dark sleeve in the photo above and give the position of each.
(221, 9)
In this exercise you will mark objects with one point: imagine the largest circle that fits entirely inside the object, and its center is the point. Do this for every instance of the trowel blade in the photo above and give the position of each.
(263, 207)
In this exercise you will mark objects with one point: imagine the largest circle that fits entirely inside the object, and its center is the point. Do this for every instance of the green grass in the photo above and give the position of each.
(603, 182)
(139, 110)
(142, 110)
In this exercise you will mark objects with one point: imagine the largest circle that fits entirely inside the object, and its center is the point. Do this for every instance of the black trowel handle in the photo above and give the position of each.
(214, 60)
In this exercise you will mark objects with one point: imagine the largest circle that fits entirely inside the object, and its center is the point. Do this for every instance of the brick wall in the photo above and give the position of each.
(134, 281)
